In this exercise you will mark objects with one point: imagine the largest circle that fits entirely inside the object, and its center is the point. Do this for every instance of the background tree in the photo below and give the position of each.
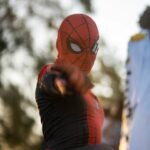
(20, 60)
(24, 27)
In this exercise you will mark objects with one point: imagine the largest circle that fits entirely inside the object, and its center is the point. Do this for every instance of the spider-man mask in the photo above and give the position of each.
(77, 42)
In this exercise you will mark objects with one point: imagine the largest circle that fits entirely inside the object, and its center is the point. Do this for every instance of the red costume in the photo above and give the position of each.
(74, 118)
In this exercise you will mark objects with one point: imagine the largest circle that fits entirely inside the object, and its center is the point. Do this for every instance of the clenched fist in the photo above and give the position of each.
(71, 78)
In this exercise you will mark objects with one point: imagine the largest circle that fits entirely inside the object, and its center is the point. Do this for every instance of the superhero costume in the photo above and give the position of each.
(74, 119)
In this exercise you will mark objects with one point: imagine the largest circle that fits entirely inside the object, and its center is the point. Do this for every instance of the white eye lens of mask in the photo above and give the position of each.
(75, 47)
(95, 48)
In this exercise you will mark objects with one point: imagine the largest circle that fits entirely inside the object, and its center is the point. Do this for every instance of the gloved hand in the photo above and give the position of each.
(71, 78)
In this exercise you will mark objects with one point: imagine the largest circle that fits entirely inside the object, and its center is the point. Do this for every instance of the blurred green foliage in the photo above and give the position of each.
(16, 122)
(16, 36)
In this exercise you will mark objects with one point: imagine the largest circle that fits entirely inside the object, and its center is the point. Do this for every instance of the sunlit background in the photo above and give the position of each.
(28, 31)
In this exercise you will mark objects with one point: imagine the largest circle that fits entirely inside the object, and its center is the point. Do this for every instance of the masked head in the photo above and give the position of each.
(77, 42)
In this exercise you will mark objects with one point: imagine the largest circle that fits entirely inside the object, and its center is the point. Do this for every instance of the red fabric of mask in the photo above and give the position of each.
(77, 42)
